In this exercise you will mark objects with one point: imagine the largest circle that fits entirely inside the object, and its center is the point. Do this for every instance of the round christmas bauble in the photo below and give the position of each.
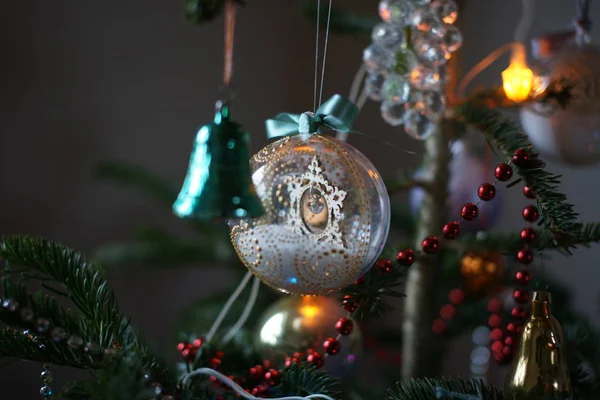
(297, 324)
(327, 216)
(569, 135)
(481, 272)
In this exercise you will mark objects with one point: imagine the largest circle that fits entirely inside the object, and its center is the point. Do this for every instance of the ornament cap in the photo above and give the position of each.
(540, 304)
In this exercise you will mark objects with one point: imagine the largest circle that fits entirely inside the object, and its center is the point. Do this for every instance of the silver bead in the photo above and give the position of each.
(58, 334)
(425, 77)
(47, 376)
(446, 10)
(27, 314)
(417, 125)
(46, 391)
(393, 113)
(373, 84)
(395, 89)
(388, 36)
(42, 325)
(378, 59)
(396, 12)
(10, 305)
(424, 19)
(75, 342)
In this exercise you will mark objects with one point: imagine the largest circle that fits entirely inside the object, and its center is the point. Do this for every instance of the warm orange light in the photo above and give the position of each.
(517, 81)
(309, 311)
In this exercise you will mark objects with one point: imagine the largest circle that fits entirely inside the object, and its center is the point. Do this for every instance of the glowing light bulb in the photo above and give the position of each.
(517, 81)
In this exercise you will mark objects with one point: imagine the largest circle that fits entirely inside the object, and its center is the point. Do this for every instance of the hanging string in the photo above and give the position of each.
(229, 34)
(325, 52)
(316, 56)
(245, 314)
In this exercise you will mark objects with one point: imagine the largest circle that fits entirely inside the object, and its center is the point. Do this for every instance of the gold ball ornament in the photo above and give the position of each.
(299, 323)
(327, 216)
(569, 135)
(481, 272)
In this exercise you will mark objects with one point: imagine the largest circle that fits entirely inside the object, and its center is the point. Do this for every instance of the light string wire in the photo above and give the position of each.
(245, 314)
(325, 51)
(315, 83)
(240, 391)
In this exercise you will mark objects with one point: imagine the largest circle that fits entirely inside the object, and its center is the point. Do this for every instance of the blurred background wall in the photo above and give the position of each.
(131, 79)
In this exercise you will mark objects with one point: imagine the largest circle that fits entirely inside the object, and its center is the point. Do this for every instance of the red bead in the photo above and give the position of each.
(451, 230)
(496, 334)
(181, 346)
(528, 235)
(510, 341)
(520, 158)
(518, 312)
(494, 306)
(406, 257)
(267, 364)
(486, 192)
(469, 212)
(430, 245)
(531, 213)
(439, 326)
(259, 390)
(527, 192)
(215, 362)
(447, 312)
(291, 361)
(349, 303)
(384, 266)
(332, 346)
(508, 351)
(514, 327)
(256, 372)
(272, 377)
(360, 281)
(494, 321)
(521, 296)
(315, 359)
(220, 354)
(497, 346)
(525, 256)
(456, 296)
(503, 172)
(523, 277)
(344, 326)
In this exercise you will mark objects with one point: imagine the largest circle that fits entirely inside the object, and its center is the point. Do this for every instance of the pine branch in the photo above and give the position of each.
(306, 379)
(557, 214)
(341, 22)
(426, 389)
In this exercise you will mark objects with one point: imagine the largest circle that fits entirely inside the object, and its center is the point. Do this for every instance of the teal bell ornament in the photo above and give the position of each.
(218, 184)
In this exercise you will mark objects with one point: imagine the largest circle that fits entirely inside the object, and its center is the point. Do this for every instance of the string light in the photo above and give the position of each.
(517, 79)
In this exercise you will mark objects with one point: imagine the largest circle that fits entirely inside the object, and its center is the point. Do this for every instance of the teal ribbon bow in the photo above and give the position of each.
(337, 113)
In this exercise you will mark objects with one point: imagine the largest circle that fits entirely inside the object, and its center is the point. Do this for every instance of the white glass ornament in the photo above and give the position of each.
(425, 77)
(373, 85)
(418, 125)
(393, 113)
(450, 37)
(388, 36)
(430, 49)
(424, 19)
(396, 89)
(327, 216)
(446, 10)
(378, 59)
(396, 12)
(405, 62)
(569, 135)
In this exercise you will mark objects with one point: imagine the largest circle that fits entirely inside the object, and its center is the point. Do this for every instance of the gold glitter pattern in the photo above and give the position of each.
(327, 216)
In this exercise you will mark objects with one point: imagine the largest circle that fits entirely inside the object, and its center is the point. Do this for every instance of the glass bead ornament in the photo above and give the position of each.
(373, 85)
(450, 38)
(446, 10)
(430, 49)
(327, 215)
(388, 36)
(569, 135)
(430, 103)
(299, 324)
(378, 59)
(418, 125)
(395, 89)
(425, 77)
(425, 19)
(396, 12)
(405, 62)
(393, 113)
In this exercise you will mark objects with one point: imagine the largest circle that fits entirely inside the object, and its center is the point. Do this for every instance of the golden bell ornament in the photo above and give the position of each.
(297, 324)
(480, 272)
(539, 370)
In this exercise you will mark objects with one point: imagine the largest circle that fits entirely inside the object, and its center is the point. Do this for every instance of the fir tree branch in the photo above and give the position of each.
(425, 389)
(305, 379)
(557, 214)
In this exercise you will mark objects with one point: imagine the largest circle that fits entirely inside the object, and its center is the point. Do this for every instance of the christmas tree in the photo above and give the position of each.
(448, 274)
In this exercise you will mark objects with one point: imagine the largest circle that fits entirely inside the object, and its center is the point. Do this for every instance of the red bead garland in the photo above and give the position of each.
(344, 326)
(531, 213)
(332, 346)
(430, 245)
(451, 230)
(469, 212)
(315, 359)
(406, 257)
(486, 192)
(503, 172)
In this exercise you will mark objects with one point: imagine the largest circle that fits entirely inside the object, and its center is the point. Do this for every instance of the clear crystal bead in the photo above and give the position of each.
(58, 334)
(424, 19)
(27, 314)
(46, 376)
(373, 84)
(417, 125)
(42, 325)
(450, 37)
(378, 59)
(396, 12)
(396, 89)
(425, 77)
(156, 388)
(430, 49)
(405, 62)
(10, 305)
(46, 391)
(446, 10)
(432, 104)
(75, 342)
(388, 36)
(393, 113)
